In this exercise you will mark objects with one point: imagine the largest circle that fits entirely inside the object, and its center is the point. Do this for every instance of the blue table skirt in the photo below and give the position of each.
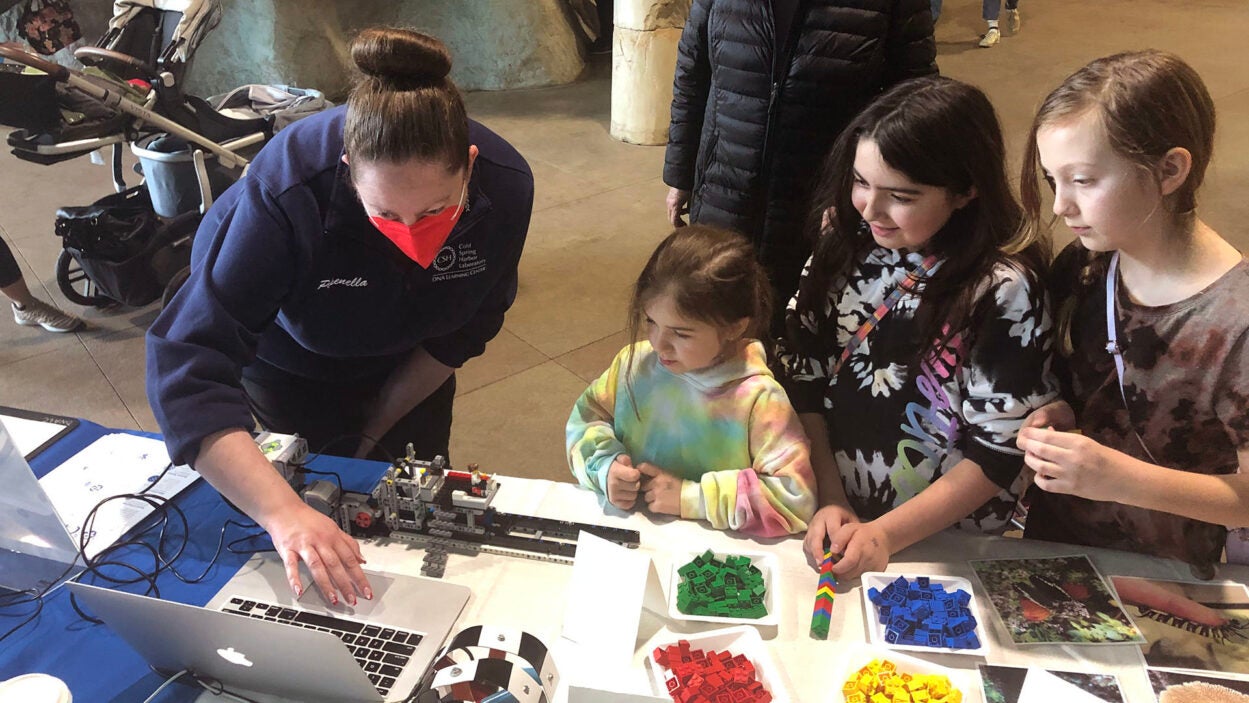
(96, 664)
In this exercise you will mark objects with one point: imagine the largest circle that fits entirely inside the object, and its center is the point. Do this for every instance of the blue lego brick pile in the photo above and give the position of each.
(922, 613)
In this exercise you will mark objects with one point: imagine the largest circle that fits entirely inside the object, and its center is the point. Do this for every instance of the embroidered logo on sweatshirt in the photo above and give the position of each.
(459, 260)
(356, 282)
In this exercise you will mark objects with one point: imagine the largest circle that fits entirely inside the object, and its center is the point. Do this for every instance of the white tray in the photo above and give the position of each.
(876, 631)
(768, 565)
(738, 640)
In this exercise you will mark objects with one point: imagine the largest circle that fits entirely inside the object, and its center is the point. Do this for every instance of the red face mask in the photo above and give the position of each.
(422, 239)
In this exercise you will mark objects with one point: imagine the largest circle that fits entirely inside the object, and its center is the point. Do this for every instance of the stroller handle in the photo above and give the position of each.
(94, 55)
(57, 71)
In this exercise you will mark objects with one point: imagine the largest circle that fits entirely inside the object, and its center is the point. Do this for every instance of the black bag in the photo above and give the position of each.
(49, 25)
(114, 240)
(29, 102)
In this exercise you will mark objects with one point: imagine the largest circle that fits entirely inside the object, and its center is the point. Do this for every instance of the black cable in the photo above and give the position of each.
(156, 480)
(377, 444)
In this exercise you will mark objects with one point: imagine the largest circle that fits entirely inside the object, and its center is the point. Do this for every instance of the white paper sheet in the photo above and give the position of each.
(610, 586)
(114, 464)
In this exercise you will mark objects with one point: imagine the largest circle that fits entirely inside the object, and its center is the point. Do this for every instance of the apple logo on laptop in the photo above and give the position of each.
(234, 657)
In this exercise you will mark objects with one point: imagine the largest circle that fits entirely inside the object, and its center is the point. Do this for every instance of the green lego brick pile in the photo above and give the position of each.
(730, 587)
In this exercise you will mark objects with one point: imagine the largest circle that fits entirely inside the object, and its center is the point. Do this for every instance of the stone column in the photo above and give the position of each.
(644, 57)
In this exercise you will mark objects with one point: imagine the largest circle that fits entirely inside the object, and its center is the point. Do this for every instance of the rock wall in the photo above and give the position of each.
(644, 58)
(495, 44)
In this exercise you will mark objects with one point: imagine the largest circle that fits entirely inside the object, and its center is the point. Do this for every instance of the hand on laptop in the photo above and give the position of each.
(230, 461)
(333, 556)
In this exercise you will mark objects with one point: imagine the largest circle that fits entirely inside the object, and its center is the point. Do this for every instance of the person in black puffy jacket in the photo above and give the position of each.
(762, 89)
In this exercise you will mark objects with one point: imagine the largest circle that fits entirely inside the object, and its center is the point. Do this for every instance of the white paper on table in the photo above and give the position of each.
(610, 586)
(1041, 686)
(114, 464)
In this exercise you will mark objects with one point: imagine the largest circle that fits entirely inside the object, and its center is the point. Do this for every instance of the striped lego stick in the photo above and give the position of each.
(822, 614)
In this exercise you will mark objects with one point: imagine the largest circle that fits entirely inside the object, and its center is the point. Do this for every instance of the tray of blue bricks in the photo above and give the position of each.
(922, 613)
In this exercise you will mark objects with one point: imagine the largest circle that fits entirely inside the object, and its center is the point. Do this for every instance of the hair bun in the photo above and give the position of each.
(403, 58)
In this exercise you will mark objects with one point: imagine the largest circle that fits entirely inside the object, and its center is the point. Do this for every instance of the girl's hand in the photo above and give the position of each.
(623, 482)
(1167, 599)
(1074, 464)
(661, 490)
(1057, 415)
(826, 521)
(863, 546)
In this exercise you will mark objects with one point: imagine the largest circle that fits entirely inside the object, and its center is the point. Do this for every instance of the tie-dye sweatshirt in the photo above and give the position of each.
(728, 431)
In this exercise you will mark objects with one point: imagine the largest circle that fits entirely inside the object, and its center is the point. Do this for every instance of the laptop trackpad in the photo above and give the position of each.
(312, 600)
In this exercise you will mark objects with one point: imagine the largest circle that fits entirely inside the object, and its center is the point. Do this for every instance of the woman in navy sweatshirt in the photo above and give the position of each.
(369, 252)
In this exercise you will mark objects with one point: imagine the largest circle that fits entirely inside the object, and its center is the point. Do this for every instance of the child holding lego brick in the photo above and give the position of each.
(1154, 331)
(690, 421)
(919, 339)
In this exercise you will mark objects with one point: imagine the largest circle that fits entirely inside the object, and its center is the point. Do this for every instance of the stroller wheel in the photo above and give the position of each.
(76, 285)
(175, 282)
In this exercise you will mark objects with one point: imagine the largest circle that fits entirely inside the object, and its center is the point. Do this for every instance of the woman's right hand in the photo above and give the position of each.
(678, 205)
(623, 482)
(300, 533)
(826, 521)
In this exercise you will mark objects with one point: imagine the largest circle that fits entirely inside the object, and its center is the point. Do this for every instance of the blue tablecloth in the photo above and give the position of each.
(96, 664)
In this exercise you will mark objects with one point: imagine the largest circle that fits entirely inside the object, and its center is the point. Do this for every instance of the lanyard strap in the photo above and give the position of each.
(1112, 346)
(913, 277)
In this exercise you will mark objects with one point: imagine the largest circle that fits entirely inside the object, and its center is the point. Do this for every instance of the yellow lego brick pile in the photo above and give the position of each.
(881, 682)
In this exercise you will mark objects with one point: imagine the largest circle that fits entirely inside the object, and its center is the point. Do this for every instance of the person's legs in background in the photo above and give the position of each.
(1013, 20)
(27, 309)
(990, 10)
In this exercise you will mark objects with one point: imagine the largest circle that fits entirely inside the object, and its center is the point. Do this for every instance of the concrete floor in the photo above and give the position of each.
(598, 215)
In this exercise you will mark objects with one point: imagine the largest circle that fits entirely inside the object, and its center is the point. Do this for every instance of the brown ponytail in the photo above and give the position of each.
(405, 107)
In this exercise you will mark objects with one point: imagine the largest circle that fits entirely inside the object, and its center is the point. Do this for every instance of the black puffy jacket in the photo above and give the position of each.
(749, 144)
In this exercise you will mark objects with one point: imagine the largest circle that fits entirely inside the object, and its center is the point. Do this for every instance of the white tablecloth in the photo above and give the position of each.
(531, 595)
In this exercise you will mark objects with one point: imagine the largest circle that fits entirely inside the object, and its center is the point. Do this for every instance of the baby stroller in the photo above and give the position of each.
(126, 247)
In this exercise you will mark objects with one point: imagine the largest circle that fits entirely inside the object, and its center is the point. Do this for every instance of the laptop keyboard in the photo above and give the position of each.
(381, 651)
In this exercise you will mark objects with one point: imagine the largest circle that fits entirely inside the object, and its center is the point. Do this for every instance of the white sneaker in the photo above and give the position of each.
(50, 318)
(990, 38)
(1013, 21)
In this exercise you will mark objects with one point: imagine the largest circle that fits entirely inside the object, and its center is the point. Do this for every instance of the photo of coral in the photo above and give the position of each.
(1176, 687)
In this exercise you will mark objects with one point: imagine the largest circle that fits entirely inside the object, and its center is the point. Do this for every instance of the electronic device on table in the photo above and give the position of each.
(255, 635)
(428, 503)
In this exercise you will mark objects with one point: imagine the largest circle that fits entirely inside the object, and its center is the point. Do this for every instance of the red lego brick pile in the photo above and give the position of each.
(709, 677)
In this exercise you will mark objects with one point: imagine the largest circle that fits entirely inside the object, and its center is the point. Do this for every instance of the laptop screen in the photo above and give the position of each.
(35, 549)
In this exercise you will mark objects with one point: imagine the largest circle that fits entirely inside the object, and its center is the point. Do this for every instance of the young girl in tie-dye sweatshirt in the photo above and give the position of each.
(691, 421)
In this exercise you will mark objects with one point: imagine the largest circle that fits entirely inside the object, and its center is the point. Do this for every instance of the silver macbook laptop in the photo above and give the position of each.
(254, 635)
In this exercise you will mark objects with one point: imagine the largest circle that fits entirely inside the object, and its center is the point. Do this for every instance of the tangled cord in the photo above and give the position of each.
(168, 548)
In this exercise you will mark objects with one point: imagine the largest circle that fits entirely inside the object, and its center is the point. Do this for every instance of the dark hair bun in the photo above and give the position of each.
(403, 58)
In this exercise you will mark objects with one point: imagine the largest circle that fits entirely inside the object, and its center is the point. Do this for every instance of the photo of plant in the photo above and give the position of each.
(1011, 684)
(1202, 626)
(1177, 687)
(1056, 600)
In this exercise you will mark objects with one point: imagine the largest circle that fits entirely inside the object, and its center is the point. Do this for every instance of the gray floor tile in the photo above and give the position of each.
(65, 381)
(120, 358)
(589, 362)
(506, 355)
(516, 426)
(583, 263)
